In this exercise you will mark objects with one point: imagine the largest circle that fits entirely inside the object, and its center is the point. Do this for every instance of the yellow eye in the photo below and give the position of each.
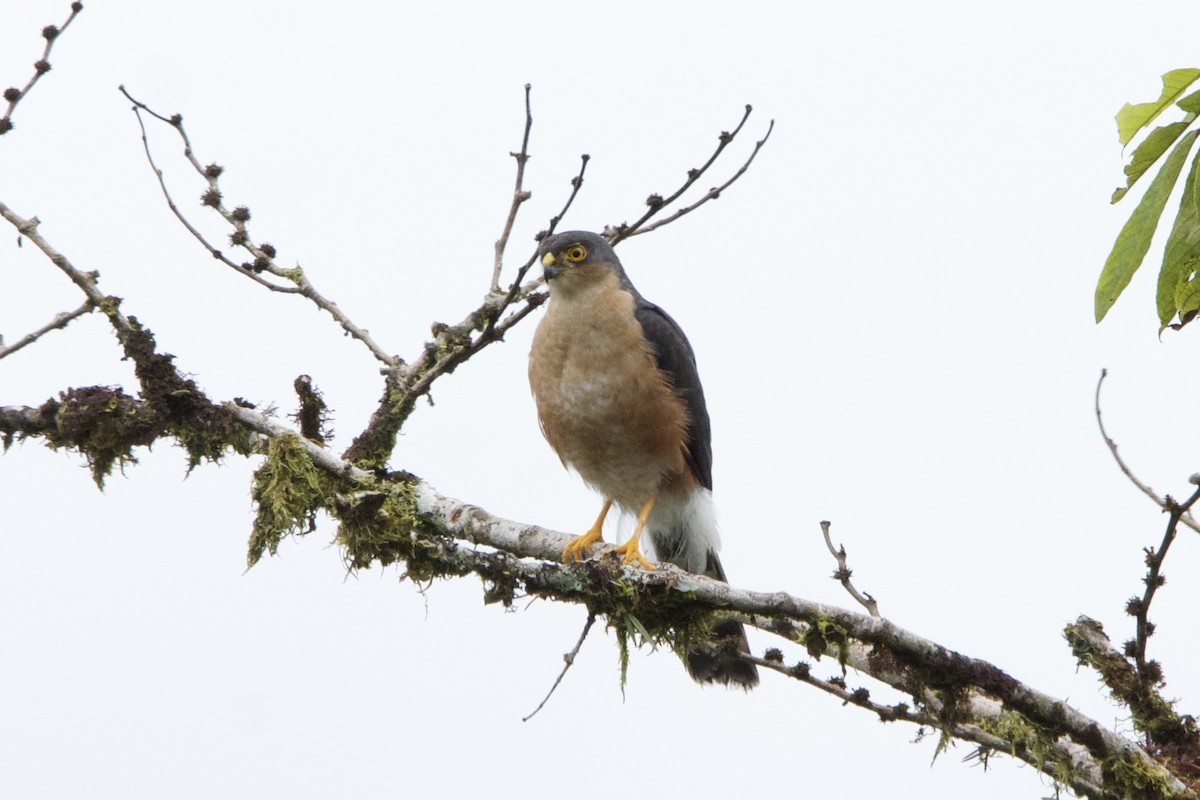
(576, 252)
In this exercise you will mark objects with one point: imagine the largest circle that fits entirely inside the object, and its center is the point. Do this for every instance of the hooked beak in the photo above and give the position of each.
(549, 270)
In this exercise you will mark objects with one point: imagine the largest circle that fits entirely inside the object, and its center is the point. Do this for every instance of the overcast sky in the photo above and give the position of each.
(892, 314)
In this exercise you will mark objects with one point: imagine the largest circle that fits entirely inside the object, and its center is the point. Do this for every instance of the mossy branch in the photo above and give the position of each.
(402, 518)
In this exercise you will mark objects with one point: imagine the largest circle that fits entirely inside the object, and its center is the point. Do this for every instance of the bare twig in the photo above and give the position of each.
(86, 281)
(518, 289)
(576, 184)
(712, 193)
(59, 322)
(241, 269)
(468, 347)
(1187, 518)
(40, 67)
(1139, 608)
(844, 572)
(264, 254)
(568, 660)
(657, 203)
(520, 195)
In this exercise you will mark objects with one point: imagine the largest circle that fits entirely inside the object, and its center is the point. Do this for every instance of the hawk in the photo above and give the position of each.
(619, 399)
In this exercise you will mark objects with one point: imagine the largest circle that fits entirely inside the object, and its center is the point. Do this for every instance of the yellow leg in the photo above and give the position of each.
(576, 549)
(630, 551)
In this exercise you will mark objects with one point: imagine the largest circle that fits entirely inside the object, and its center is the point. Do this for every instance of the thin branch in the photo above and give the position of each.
(568, 660)
(844, 572)
(656, 201)
(1140, 609)
(802, 671)
(463, 348)
(86, 281)
(712, 193)
(1112, 448)
(576, 185)
(60, 321)
(264, 254)
(195, 232)
(40, 67)
(520, 195)
(931, 717)
(518, 290)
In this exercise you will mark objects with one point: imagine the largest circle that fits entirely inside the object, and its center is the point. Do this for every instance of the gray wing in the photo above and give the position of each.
(675, 358)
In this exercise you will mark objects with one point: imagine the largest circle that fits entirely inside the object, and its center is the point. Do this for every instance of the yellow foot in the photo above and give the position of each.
(631, 555)
(576, 549)
(630, 552)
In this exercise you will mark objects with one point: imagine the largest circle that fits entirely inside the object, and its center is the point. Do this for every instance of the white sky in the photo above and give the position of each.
(891, 311)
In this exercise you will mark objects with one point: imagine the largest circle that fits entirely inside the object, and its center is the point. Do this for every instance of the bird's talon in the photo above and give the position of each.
(632, 556)
(576, 549)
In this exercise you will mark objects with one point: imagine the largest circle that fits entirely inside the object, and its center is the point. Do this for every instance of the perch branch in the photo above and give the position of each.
(971, 691)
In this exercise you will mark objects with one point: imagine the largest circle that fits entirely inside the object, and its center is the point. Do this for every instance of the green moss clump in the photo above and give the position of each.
(1137, 780)
(104, 424)
(654, 615)
(288, 490)
(375, 526)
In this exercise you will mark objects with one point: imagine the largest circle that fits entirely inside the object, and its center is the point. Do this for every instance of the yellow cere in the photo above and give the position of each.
(548, 260)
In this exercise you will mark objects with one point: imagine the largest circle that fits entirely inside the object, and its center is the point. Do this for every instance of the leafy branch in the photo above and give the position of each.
(1178, 293)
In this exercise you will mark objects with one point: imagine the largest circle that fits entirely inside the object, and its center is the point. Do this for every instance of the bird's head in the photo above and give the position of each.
(577, 259)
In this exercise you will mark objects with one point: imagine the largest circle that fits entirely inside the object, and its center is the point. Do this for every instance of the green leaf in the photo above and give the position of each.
(1181, 253)
(1134, 239)
(1188, 297)
(1191, 103)
(1132, 118)
(1147, 153)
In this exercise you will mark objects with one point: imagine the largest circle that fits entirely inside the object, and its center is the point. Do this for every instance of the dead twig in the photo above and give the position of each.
(568, 660)
(60, 321)
(844, 572)
(263, 254)
(657, 203)
(711, 194)
(520, 195)
(1139, 608)
(1187, 518)
(40, 67)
